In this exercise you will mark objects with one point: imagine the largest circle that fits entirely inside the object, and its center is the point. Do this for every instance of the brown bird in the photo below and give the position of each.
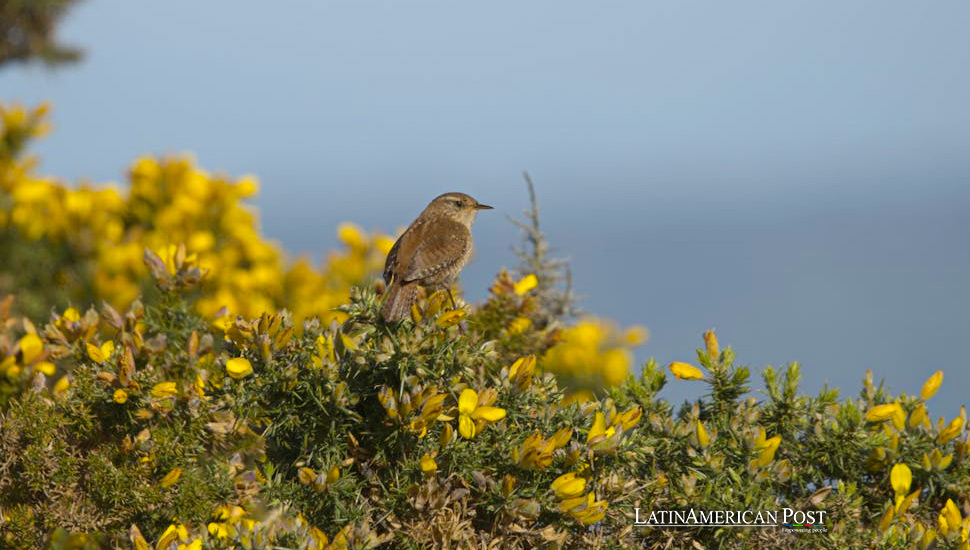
(430, 253)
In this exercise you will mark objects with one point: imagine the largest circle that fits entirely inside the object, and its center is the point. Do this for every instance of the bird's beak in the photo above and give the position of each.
(483, 207)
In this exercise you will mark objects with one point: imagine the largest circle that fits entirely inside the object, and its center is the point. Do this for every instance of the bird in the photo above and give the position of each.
(430, 253)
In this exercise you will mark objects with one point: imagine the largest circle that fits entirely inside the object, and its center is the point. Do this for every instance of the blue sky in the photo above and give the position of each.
(795, 174)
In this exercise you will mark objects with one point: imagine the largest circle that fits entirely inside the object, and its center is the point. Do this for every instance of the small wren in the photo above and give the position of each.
(430, 252)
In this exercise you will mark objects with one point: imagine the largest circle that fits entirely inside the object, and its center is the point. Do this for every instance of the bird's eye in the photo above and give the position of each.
(458, 204)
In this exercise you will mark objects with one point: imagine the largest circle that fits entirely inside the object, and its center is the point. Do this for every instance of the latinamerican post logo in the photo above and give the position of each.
(787, 519)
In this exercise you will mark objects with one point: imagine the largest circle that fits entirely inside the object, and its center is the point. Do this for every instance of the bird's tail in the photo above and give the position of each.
(397, 304)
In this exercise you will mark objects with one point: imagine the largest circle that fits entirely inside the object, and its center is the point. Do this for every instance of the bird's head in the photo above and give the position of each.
(457, 206)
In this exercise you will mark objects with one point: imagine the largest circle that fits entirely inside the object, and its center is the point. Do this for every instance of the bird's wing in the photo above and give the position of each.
(402, 252)
(438, 251)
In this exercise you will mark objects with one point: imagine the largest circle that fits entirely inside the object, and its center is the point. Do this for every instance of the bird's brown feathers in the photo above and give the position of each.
(430, 253)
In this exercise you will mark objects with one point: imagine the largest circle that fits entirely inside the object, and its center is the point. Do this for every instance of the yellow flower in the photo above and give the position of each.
(616, 366)
(702, 438)
(383, 244)
(536, 452)
(899, 418)
(446, 437)
(120, 396)
(508, 484)
(519, 325)
(931, 385)
(306, 475)
(173, 256)
(218, 530)
(171, 478)
(951, 430)
(102, 354)
(201, 241)
(901, 477)
(62, 385)
(592, 355)
(635, 335)
(469, 412)
(525, 284)
(595, 510)
(569, 505)
(349, 342)
(919, 416)
(630, 418)
(950, 517)
(247, 185)
(903, 503)
(239, 367)
(428, 465)
(333, 474)
(416, 313)
(521, 371)
(31, 347)
(351, 235)
(710, 342)
(71, 315)
(451, 318)
(318, 539)
(164, 389)
(137, 539)
(880, 413)
(389, 402)
(887, 519)
(686, 371)
(599, 429)
(223, 322)
(767, 451)
(431, 404)
(46, 368)
(568, 485)
(10, 367)
(936, 461)
(175, 532)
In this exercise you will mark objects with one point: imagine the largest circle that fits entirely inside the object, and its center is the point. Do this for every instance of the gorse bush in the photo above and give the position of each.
(215, 396)
(93, 238)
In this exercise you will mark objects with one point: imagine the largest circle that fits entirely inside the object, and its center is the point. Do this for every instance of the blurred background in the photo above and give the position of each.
(795, 175)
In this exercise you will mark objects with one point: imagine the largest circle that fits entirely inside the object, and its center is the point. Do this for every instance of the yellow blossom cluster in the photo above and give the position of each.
(475, 412)
(594, 354)
(420, 407)
(570, 489)
(608, 428)
(232, 525)
(574, 490)
(319, 481)
(765, 447)
(29, 353)
(169, 201)
(536, 452)
(899, 420)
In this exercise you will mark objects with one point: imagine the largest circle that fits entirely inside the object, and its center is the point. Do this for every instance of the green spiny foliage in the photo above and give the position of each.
(276, 436)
